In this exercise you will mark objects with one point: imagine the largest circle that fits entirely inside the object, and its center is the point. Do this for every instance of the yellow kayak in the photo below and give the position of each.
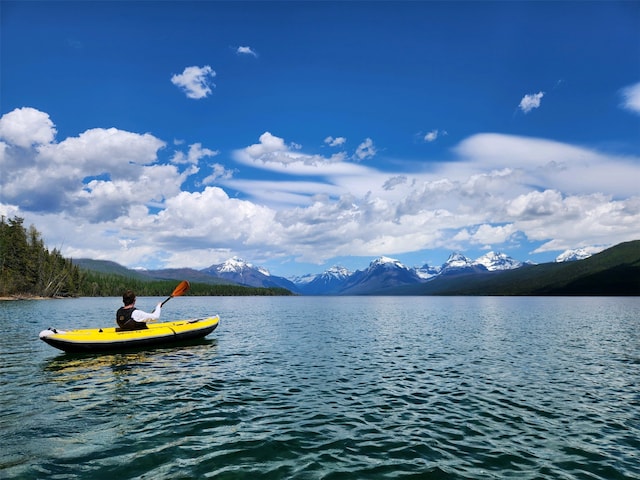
(109, 339)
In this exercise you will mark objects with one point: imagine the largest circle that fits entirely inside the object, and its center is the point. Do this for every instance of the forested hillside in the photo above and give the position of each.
(28, 268)
(96, 284)
(614, 271)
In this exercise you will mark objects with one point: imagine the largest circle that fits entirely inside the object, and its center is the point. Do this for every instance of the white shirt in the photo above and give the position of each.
(140, 316)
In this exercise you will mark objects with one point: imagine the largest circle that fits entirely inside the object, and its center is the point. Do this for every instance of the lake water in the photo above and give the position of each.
(330, 388)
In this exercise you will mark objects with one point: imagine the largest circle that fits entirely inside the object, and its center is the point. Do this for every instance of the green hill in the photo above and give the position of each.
(112, 268)
(108, 267)
(106, 278)
(615, 271)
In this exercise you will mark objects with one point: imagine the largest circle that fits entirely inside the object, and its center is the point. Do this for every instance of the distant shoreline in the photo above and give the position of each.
(10, 298)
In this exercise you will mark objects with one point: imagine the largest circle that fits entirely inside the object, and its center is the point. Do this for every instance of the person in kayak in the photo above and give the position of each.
(129, 317)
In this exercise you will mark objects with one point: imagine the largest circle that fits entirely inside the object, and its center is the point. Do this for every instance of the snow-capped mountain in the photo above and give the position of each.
(237, 270)
(426, 271)
(329, 282)
(387, 264)
(573, 255)
(237, 265)
(493, 261)
(456, 262)
(382, 274)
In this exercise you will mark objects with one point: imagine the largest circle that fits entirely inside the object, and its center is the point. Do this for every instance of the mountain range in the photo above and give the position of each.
(615, 271)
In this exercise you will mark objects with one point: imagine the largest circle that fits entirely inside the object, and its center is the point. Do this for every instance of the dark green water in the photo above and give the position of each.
(331, 388)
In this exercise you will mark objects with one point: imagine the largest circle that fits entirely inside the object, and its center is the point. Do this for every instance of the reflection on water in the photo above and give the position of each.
(127, 360)
(79, 374)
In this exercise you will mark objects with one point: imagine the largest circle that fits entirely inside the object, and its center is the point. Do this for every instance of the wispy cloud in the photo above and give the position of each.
(631, 97)
(433, 135)
(335, 142)
(365, 150)
(195, 154)
(272, 153)
(531, 101)
(218, 172)
(246, 51)
(196, 82)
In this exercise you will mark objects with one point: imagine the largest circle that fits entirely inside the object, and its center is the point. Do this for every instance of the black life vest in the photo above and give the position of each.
(123, 317)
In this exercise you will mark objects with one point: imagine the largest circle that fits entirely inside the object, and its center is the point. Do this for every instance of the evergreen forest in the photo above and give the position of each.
(28, 268)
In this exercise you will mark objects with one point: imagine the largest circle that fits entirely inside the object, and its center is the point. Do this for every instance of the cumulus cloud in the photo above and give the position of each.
(99, 173)
(246, 51)
(269, 144)
(631, 98)
(531, 101)
(25, 127)
(195, 81)
(486, 234)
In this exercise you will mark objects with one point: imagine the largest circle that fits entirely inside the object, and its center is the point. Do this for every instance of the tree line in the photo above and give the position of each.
(97, 284)
(28, 268)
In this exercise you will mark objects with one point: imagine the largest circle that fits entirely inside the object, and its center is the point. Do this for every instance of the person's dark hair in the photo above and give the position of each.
(128, 297)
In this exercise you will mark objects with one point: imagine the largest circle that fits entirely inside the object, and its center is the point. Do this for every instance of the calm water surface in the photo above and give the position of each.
(330, 388)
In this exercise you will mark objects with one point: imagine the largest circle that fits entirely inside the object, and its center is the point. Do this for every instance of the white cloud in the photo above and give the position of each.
(531, 101)
(246, 51)
(486, 234)
(365, 150)
(535, 204)
(106, 193)
(269, 144)
(99, 173)
(631, 97)
(218, 172)
(195, 81)
(195, 154)
(335, 142)
(433, 135)
(198, 217)
(594, 219)
(271, 153)
(392, 182)
(26, 126)
(547, 164)
(485, 197)
(290, 192)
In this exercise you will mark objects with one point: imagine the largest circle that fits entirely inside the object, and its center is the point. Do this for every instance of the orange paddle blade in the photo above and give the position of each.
(181, 289)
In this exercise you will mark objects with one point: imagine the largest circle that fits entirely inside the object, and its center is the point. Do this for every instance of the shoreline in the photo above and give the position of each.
(10, 298)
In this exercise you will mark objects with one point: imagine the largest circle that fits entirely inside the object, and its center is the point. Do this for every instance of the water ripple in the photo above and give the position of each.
(352, 388)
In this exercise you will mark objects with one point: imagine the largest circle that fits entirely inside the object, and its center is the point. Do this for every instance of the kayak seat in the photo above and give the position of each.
(128, 328)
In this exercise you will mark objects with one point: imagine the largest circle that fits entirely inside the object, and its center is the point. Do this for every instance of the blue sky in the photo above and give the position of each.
(301, 135)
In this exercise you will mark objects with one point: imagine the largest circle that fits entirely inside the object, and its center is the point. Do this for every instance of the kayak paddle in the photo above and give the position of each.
(181, 289)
